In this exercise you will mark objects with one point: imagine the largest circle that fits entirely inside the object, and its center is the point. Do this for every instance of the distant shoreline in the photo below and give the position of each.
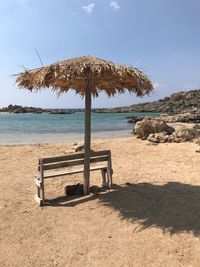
(20, 109)
(176, 103)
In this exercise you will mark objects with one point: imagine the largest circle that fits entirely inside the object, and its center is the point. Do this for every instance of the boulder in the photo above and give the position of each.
(176, 137)
(158, 137)
(134, 119)
(151, 125)
(182, 136)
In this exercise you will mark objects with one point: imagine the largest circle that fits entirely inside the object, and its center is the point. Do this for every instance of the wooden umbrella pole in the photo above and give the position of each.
(87, 141)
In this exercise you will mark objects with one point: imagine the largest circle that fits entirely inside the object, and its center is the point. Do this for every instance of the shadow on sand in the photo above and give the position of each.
(173, 207)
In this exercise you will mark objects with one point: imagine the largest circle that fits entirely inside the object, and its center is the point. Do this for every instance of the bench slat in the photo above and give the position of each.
(72, 163)
(55, 174)
(75, 156)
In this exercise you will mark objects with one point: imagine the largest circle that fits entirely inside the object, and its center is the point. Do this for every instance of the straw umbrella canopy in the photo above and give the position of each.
(88, 76)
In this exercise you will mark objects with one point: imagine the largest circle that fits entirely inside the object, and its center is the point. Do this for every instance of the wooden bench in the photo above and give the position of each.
(64, 166)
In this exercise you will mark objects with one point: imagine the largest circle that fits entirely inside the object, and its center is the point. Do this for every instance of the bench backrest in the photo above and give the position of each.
(72, 160)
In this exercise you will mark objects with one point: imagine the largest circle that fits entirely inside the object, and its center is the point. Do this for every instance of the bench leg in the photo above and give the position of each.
(106, 178)
(39, 197)
(42, 191)
(42, 180)
(103, 173)
(109, 170)
(38, 191)
(111, 181)
(109, 177)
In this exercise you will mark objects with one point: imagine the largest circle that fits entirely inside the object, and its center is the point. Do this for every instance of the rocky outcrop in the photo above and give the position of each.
(188, 117)
(158, 131)
(176, 137)
(182, 136)
(21, 109)
(184, 117)
(59, 111)
(176, 103)
(149, 125)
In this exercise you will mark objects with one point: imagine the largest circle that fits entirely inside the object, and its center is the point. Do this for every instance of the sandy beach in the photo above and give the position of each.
(150, 218)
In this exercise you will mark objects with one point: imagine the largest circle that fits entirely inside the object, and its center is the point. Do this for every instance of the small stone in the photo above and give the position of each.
(77, 147)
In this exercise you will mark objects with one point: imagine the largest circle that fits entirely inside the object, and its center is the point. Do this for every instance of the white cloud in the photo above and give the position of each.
(115, 4)
(88, 8)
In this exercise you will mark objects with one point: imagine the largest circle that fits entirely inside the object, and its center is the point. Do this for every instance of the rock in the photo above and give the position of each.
(184, 117)
(158, 137)
(77, 147)
(20, 109)
(175, 104)
(59, 111)
(149, 125)
(182, 136)
(134, 119)
(178, 136)
(196, 127)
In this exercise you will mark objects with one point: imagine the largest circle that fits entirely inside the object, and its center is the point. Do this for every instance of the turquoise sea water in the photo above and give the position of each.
(39, 128)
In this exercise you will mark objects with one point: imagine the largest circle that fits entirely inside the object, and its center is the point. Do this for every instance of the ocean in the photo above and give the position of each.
(42, 128)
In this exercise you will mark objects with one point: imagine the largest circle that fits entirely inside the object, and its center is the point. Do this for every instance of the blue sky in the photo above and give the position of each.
(160, 37)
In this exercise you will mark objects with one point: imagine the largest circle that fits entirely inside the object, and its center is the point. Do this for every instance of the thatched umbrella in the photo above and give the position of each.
(87, 76)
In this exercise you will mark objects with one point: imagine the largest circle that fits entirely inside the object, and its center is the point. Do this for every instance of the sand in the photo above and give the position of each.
(150, 218)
